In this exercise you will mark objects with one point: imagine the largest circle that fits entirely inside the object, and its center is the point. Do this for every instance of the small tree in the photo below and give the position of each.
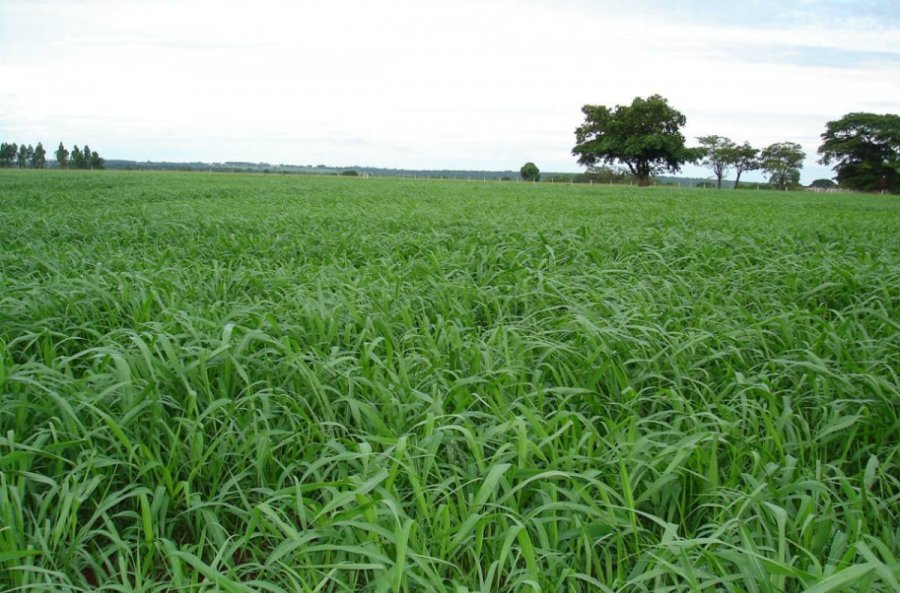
(39, 158)
(77, 161)
(62, 156)
(530, 172)
(86, 157)
(96, 161)
(604, 174)
(742, 158)
(783, 161)
(8, 154)
(644, 136)
(22, 159)
(717, 155)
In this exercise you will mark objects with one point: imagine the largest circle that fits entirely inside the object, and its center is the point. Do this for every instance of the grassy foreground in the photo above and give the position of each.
(260, 383)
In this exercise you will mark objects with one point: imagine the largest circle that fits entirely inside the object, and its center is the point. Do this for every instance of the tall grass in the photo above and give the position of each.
(254, 383)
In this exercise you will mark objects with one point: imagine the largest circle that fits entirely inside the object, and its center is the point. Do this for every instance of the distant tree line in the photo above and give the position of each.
(35, 157)
(23, 157)
(79, 158)
(601, 174)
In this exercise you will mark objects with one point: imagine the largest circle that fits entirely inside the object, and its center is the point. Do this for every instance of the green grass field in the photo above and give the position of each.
(281, 383)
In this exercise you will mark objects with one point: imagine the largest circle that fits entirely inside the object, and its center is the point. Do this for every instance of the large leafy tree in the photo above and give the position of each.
(782, 161)
(717, 155)
(644, 136)
(865, 151)
(530, 172)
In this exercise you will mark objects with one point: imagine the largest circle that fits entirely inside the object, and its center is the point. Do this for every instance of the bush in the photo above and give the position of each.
(603, 174)
(823, 184)
(751, 185)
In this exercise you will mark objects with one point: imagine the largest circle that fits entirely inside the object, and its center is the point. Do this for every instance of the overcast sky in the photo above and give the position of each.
(457, 84)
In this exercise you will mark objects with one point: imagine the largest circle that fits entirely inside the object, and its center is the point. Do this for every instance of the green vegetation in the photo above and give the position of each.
(743, 158)
(716, 155)
(62, 156)
(278, 383)
(823, 184)
(645, 137)
(286, 169)
(35, 157)
(782, 161)
(721, 155)
(8, 154)
(84, 158)
(530, 172)
(865, 151)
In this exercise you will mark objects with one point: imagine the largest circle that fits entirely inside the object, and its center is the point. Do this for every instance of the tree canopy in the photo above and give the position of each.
(62, 156)
(823, 184)
(77, 160)
(96, 161)
(743, 158)
(24, 157)
(782, 161)
(865, 151)
(35, 157)
(717, 153)
(644, 136)
(39, 157)
(530, 172)
(8, 154)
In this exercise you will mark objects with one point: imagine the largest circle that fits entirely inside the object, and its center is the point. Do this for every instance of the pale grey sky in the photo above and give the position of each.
(419, 84)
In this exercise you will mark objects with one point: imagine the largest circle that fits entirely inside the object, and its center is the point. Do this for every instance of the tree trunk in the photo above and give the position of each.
(737, 179)
(718, 182)
(641, 172)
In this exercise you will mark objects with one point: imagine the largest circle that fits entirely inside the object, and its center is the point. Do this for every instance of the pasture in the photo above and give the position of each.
(283, 383)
